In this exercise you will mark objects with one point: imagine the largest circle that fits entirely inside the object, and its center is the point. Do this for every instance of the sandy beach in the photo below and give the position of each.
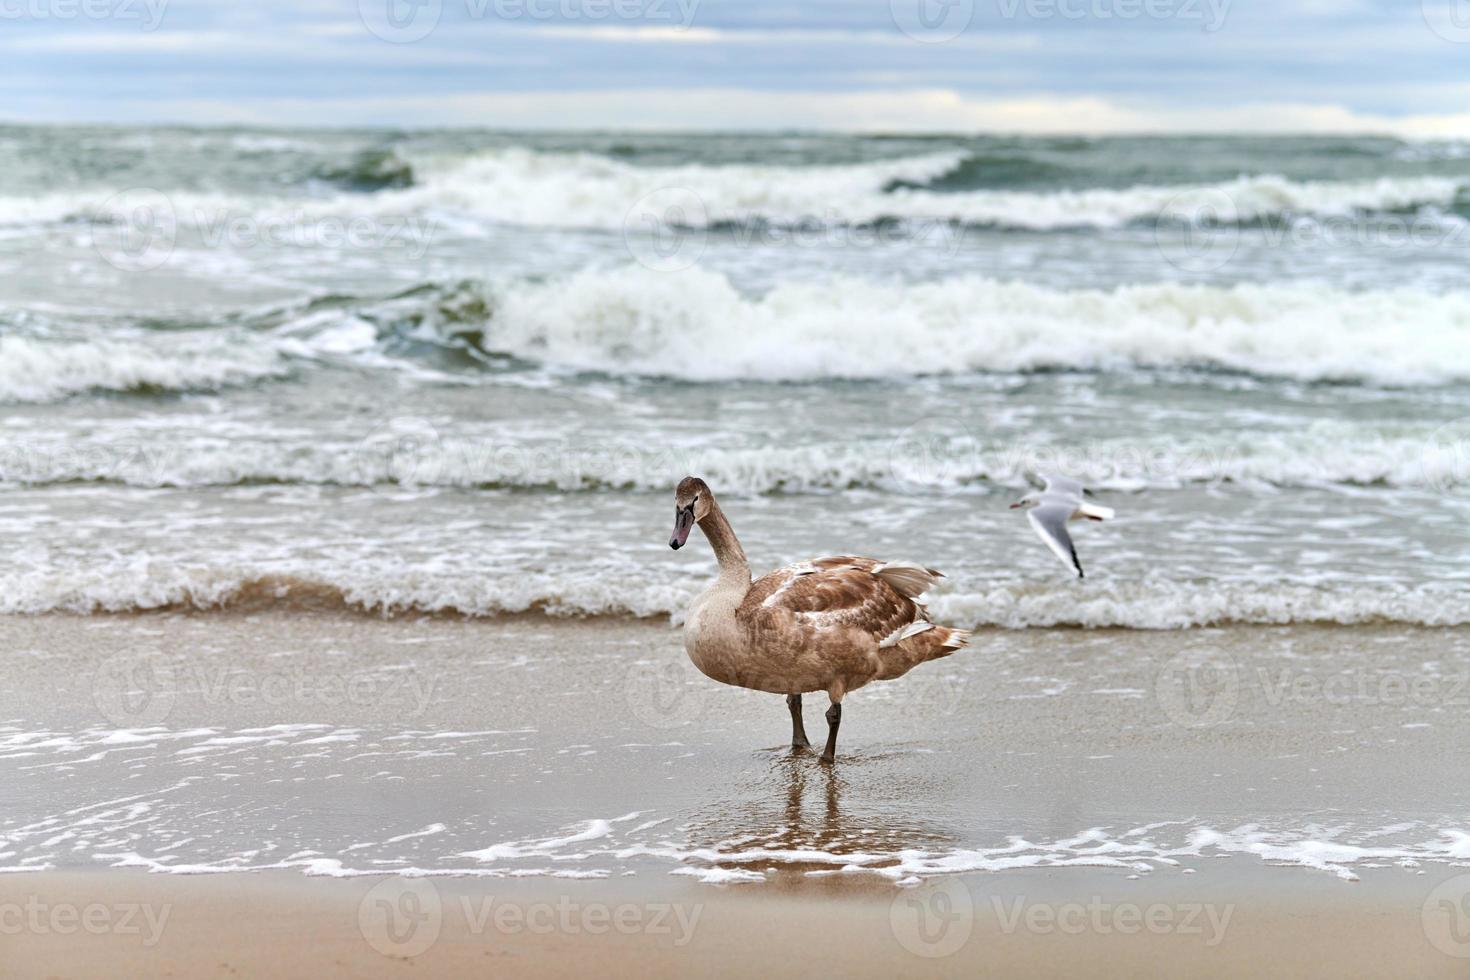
(1253, 798)
(398, 400)
(1075, 923)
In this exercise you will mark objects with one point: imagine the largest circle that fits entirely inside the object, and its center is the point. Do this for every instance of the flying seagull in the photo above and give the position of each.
(1051, 508)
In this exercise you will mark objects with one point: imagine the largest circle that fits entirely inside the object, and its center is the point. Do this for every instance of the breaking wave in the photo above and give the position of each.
(522, 186)
(44, 370)
(163, 585)
(585, 190)
(414, 454)
(698, 326)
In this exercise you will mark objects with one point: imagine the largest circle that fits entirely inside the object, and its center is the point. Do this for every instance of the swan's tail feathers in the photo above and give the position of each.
(939, 642)
(899, 635)
(1096, 513)
(909, 579)
(918, 643)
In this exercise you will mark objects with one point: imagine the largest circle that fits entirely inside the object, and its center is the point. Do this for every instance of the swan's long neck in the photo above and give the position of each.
(734, 569)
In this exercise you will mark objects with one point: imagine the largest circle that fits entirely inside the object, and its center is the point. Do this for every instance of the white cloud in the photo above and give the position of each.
(809, 36)
(894, 110)
(105, 42)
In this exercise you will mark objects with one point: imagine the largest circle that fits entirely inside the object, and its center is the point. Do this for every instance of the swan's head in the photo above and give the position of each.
(1030, 500)
(692, 501)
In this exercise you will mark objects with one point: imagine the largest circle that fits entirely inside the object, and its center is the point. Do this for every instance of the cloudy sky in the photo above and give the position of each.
(1008, 65)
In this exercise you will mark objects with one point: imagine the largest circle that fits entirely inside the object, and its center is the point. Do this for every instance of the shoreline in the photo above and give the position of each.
(521, 750)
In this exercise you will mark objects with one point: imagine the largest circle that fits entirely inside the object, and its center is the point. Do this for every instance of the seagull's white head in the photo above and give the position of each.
(1030, 500)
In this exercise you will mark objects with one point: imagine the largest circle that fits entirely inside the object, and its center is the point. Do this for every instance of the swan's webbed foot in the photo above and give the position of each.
(798, 730)
(834, 719)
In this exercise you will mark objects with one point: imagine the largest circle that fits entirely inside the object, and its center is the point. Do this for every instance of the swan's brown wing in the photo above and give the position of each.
(830, 595)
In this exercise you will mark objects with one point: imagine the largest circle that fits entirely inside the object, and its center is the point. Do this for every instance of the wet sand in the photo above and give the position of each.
(1267, 922)
(1051, 789)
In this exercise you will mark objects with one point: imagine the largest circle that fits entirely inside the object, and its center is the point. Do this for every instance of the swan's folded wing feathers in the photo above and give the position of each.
(844, 593)
(910, 579)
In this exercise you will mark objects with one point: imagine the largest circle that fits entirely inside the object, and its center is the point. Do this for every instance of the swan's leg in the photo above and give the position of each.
(834, 718)
(798, 730)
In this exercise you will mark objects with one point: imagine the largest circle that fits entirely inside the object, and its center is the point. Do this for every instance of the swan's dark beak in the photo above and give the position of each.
(683, 521)
(1018, 505)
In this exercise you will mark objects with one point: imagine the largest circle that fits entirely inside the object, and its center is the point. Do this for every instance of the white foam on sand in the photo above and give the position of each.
(1338, 850)
(605, 591)
(159, 831)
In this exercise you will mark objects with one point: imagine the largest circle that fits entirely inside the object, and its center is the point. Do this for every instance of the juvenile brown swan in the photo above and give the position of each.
(830, 624)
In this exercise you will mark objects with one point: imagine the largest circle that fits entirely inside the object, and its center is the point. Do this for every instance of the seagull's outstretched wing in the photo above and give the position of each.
(1062, 484)
(1050, 522)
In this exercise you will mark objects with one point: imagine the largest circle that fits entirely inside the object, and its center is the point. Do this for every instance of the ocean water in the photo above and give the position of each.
(462, 371)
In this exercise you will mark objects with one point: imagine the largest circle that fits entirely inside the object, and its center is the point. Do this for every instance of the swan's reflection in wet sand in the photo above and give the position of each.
(793, 818)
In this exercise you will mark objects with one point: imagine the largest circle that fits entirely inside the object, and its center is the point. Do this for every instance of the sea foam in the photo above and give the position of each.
(698, 326)
(1148, 605)
(518, 185)
(527, 187)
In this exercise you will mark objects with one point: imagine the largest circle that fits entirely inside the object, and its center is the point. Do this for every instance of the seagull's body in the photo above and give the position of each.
(1051, 508)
